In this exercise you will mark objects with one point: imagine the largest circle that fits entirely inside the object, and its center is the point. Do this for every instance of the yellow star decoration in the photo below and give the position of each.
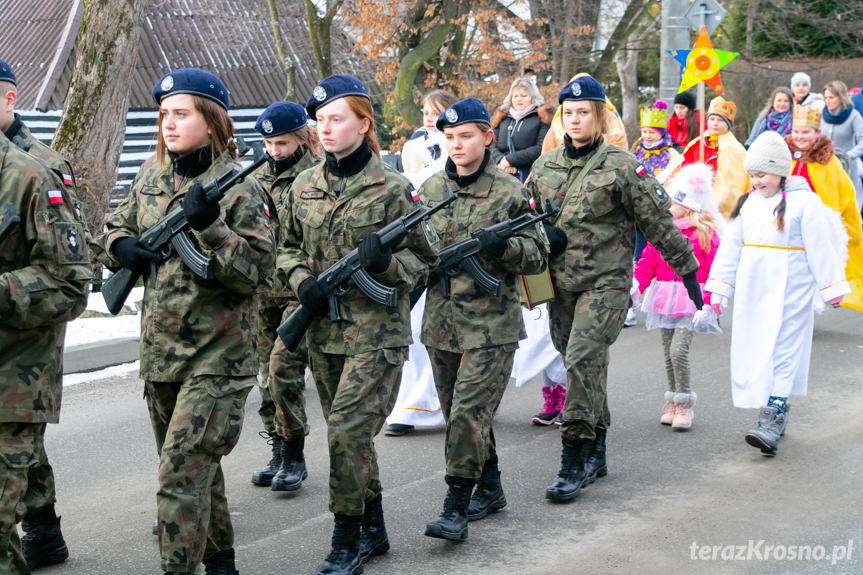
(702, 63)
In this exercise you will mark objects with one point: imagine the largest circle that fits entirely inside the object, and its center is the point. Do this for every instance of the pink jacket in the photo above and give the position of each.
(651, 265)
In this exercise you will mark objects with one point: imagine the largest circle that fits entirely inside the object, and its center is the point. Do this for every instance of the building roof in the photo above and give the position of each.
(231, 38)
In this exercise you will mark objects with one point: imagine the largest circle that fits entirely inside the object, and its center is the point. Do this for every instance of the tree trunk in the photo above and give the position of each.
(287, 63)
(319, 34)
(93, 124)
(626, 62)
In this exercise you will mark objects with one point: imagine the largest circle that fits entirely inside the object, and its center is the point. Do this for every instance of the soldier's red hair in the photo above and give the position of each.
(362, 107)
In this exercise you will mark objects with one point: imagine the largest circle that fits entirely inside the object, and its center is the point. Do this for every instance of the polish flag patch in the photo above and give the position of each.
(532, 202)
(55, 196)
(640, 170)
(68, 180)
(266, 209)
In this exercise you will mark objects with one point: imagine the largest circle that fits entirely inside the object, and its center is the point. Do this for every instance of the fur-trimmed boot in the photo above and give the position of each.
(550, 407)
(668, 409)
(373, 533)
(684, 402)
(488, 495)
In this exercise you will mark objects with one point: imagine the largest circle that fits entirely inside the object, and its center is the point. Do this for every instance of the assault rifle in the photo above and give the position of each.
(462, 254)
(169, 234)
(9, 221)
(338, 279)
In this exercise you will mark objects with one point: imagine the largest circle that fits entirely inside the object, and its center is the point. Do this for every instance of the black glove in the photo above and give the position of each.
(198, 210)
(134, 257)
(556, 239)
(312, 297)
(372, 258)
(690, 280)
(491, 243)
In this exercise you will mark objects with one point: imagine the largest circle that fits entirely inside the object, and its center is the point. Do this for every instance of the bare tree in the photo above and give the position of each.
(319, 32)
(290, 69)
(92, 128)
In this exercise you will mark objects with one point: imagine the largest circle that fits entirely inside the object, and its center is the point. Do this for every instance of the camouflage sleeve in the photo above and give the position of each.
(293, 262)
(53, 288)
(240, 242)
(648, 202)
(525, 252)
(123, 223)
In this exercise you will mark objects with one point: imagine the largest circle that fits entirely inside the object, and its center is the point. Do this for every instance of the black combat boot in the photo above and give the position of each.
(293, 469)
(452, 523)
(373, 535)
(572, 475)
(595, 466)
(488, 495)
(264, 477)
(43, 542)
(221, 563)
(344, 557)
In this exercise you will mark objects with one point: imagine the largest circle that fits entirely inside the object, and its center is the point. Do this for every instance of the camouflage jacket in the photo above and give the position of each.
(192, 326)
(44, 270)
(279, 187)
(599, 218)
(319, 227)
(472, 317)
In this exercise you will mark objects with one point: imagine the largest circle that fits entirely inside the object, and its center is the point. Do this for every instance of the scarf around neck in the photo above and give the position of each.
(519, 115)
(838, 118)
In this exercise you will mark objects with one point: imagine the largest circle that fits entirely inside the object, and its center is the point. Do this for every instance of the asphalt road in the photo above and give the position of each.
(674, 502)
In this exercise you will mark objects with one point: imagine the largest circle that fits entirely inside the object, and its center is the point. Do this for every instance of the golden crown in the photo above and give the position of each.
(807, 116)
(722, 107)
(654, 118)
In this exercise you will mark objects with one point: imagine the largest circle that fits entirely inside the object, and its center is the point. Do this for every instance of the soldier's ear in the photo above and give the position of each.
(489, 137)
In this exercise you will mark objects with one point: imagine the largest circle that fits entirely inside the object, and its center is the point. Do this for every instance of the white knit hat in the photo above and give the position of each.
(768, 154)
(799, 77)
(692, 187)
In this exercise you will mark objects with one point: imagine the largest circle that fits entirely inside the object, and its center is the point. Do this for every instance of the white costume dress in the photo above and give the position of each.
(776, 277)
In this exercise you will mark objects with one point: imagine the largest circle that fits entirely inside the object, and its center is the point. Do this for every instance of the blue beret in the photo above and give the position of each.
(462, 112)
(582, 88)
(281, 118)
(332, 88)
(191, 81)
(6, 73)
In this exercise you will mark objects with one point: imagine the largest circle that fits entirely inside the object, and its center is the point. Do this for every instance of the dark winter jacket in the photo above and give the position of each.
(527, 136)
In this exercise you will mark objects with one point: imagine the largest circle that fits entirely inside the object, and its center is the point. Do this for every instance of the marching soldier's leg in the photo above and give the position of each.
(287, 387)
(270, 316)
(19, 446)
(43, 542)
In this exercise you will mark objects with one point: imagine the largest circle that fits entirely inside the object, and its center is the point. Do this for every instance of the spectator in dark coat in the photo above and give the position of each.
(519, 127)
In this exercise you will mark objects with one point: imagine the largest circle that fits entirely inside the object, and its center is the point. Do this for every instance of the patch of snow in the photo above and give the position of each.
(95, 329)
(108, 372)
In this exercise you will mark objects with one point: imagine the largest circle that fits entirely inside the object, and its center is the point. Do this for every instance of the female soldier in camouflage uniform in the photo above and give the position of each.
(603, 193)
(293, 148)
(356, 362)
(197, 335)
(472, 336)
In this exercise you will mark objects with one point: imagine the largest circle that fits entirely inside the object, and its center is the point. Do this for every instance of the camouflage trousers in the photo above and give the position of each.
(195, 422)
(357, 393)
(283, 384)
(583, 327)
(470, 386)
(22, 448)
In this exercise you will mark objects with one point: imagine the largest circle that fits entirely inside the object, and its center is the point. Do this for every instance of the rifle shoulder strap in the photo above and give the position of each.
(574, 190)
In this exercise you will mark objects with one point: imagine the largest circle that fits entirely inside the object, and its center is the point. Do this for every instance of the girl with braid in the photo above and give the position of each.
(782, 247)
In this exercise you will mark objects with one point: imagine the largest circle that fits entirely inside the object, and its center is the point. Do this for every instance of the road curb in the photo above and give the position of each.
(96, 356)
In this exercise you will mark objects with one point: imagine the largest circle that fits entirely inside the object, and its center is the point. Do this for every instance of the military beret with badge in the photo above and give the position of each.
(281, 118)
(6, 73)
(332, 88)
(463, 112)
(191, 81)
(582, 88)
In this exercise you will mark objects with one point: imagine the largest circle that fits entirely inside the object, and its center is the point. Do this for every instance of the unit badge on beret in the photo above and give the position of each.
(576, 89)
(319, 93)
(451, 115)
(167, 83)
(267, 126)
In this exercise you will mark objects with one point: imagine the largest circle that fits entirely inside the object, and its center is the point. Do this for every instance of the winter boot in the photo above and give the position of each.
(373, 534)
(264, 477)
(293, 469)
(767, 431)
(452, 523)
(43, 542)
(595, 466)
(344, 557)
(787, 411)
(668, 409)
(572, 475)
(488, 495)
(550, 408)
(684, 402)
(221, 563)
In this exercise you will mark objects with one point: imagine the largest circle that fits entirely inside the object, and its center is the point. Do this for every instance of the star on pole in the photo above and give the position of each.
(702, 63)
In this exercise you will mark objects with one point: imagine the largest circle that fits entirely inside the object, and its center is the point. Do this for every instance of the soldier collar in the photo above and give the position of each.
(574, 152)
(14, 128)
(351, 164)
(194, 163)
(464, 181)
(278, 167)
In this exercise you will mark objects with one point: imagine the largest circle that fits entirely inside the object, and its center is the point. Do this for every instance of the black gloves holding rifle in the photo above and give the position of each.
(690, 281)
(492, 244)
(198, 210)
(556, 239)
(372, 258)
(312, 297)
(134, 257)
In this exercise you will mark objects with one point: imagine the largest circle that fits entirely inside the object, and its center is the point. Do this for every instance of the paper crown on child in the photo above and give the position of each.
(806, 116)
(768, 154)
(656, 116)
(719, 106)
(692, 187)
